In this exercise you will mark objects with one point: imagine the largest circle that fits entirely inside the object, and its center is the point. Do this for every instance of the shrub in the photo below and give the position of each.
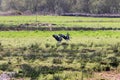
(57, 61)
(115, 47)
(56, 77)
(3, 67)
(70, 60)
(1, 57)
(34, 47)
(1, 47)
(114, 62)
(73, 46)
(22, 49)
(7, 54)
(107, 68)
(97, 68)
(30, 56)
(29, 71)
(47, 45)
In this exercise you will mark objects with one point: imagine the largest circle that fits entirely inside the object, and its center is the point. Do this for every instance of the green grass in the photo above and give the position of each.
(63, 21)
(38, 52)
(17, 38)
(29, 34)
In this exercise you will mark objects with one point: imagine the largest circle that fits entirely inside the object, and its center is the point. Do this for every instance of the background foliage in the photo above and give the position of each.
(62, 6)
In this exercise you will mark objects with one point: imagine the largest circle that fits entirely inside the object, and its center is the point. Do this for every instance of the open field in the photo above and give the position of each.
(36, 54)
(58, 22)
(25, 37)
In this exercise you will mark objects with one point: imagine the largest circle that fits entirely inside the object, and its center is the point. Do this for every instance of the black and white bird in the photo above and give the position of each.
(57, 38)
(66, 37)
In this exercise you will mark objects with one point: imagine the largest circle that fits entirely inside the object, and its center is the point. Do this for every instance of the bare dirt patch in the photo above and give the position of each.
(109, 75)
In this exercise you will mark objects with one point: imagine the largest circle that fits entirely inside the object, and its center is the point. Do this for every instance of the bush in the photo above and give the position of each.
(1, 47)
(7, 54)
(29, 71)
(56, 77)
(3, 67)
(30, 56)
(1, 57)
(49, 69)
(57, 61)
(115, 47)
(34, 47)
(114, 62)
(47, 45)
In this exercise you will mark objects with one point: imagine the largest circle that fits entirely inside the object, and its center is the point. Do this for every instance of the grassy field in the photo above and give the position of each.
(36, 55)
(25, 37)
(61, 21)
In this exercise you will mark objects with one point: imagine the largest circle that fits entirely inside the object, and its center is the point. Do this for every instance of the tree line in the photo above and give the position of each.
(62, 6)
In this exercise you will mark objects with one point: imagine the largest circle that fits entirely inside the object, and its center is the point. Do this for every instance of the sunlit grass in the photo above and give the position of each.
(23, 38)
(23, 34)
(62, 21)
